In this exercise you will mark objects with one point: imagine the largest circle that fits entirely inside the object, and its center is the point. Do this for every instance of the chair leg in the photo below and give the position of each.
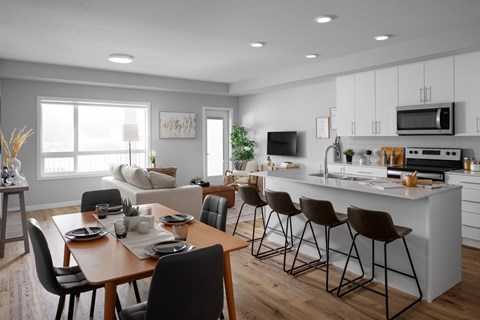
(61, 303)
(238, 219)
(70, 307)
(386, 279)
(307, 265)
(137, 293)
(118, 305)
(92, 304)
(275, 251)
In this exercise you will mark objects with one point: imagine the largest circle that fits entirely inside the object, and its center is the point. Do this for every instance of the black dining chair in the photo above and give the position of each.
(113, 197)
(184, 286)
(61, 281)
(214, 211)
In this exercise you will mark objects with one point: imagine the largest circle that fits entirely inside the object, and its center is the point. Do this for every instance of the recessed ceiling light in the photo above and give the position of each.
(323, 19)
(311, 56)
(382, 37)
(257, 44)
(120, 58)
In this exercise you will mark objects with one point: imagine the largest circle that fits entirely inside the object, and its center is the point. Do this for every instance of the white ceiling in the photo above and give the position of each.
(208, 39)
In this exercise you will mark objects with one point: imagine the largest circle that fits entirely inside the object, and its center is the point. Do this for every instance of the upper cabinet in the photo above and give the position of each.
(467, 96)
(346, 105)
(365, 123)
(426, 82)
(386, 101)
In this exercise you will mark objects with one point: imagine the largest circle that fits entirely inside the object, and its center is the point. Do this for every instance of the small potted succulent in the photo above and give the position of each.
(349, 153)
(132, 214)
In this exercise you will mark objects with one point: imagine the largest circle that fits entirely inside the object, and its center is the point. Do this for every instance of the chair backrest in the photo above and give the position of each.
(376, 225)
(43, 258)
(319, 211)
(187, 286)
(280, 202)
(214, 211)
(250, 196)
(91, 198)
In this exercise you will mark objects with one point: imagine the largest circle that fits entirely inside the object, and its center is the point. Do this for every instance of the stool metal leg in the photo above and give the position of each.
(311, 264)
(274, 251)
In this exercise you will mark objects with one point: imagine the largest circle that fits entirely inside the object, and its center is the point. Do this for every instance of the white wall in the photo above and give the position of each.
(19, 109)
(293, 109)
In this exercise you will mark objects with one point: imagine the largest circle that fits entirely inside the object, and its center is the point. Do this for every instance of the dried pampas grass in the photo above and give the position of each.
(17, 139)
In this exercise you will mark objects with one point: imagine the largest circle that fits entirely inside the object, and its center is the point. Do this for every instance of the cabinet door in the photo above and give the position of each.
(365, 104)
(386, 101)
(346, 105)
(410, 84)
(439, 80)
(467, 97)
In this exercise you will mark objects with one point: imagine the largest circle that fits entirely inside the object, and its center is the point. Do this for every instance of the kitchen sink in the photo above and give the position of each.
(340, 176)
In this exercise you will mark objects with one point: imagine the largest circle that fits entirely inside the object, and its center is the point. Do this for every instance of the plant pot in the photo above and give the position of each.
(133, 222)
(348, 158)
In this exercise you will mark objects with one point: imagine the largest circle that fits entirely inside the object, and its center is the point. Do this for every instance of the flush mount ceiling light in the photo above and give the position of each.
(120, 58)
(311, 55)
(257, 44)
(323, 19)
(382, 37)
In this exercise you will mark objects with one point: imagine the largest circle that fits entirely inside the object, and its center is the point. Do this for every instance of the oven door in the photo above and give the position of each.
(426, 119)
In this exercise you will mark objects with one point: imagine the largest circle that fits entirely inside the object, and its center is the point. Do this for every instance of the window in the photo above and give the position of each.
(81, 138)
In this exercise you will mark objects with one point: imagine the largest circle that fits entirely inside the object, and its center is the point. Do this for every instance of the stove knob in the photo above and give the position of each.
(410, 151)
(416, 152)
(448, 153)
(454, 153)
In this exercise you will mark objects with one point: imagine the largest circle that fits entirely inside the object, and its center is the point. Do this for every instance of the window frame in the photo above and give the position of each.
(75, 154)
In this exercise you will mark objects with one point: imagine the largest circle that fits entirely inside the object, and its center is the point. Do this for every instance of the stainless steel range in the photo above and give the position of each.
(430, 163)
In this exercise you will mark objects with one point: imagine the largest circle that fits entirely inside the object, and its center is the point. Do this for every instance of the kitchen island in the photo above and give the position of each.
(433, 214)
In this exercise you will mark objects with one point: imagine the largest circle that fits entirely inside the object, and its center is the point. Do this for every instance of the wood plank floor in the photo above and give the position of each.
(262, 290)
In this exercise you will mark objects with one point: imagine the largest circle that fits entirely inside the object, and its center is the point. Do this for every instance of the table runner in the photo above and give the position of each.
(136, 242)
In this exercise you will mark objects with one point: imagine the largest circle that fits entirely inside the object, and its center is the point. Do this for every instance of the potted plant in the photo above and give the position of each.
(349, 153)
(132, 214)
(153, 158)
(242, 146)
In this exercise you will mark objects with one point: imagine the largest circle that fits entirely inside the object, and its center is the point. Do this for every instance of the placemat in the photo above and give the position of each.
(136, 242)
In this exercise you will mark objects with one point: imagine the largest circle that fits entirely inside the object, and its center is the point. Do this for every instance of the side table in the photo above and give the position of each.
(11, 190)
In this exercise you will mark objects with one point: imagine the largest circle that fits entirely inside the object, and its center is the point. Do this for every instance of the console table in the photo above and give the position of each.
(7, 191)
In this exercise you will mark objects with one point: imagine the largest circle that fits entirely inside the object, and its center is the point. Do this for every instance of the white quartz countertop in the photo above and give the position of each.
(301, 176)
(465, 173)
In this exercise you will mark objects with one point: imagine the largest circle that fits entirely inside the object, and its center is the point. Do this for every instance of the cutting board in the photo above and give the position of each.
(399, 153)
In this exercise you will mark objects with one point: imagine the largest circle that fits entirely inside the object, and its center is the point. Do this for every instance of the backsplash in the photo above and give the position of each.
(470, 145)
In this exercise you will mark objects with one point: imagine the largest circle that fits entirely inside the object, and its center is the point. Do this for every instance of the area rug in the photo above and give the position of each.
(247, 212)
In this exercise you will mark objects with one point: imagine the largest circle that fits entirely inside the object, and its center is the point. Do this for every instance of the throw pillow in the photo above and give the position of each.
(161, 181)
(171, 171)
(116, 170)
(137, 177)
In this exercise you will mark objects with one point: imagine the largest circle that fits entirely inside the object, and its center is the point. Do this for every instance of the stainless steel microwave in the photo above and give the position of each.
(426, 119)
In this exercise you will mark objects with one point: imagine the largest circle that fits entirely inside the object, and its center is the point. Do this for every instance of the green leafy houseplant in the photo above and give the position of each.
(242, 147)
(129, 210)
(349, 152)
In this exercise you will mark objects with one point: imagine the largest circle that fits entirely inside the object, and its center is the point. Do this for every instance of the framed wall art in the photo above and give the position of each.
(333, 118)
(323, 128)
(178, 125)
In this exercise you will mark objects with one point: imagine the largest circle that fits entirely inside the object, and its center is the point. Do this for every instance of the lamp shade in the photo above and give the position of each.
(130, 132)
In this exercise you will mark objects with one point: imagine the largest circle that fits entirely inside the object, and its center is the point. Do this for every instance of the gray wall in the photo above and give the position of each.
(297, 108)
(19, 108)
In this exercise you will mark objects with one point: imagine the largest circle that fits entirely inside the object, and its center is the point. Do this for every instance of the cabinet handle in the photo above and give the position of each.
(478, 118)
(365, 172)
(429, 89)
(378, 127)
(374, 127)
(353, 127)
(421, 95)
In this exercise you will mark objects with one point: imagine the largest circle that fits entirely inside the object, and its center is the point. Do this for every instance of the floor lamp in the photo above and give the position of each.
(130, 133)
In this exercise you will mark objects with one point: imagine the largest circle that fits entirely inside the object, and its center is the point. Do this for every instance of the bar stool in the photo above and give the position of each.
(250, 196)
(322, 213)
(378, 226)
(280, 203)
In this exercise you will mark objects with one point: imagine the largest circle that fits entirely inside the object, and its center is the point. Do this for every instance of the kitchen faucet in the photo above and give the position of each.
(325, 166)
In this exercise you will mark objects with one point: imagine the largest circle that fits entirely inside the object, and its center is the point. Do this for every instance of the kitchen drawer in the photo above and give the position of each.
(472, 182)
(470, 195)
(471, 206)
(366, 171)
(471, 233)
(471, 219)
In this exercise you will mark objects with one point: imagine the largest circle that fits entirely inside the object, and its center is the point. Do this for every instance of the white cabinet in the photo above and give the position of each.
(365, 104)
(467, 97)
(470, 206)
(426, 82)
(386, 101)
(346, 105)
(358, 170)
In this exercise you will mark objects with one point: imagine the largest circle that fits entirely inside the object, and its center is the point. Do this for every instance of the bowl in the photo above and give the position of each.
(411, 181)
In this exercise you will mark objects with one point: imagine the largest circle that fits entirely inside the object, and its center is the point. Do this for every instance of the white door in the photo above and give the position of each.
(216, 143)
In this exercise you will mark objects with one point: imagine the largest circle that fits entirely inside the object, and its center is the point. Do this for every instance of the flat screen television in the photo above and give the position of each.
(282, 143)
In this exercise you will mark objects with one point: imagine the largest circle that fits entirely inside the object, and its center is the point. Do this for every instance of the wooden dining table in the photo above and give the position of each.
(106, 261)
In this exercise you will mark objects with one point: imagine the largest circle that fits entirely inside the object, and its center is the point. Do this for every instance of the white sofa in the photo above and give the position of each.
(184, 199)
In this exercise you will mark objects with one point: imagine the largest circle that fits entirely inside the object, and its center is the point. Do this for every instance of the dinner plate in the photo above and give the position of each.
(112, 212)
(102, 232)
(115, 208)
(159, 249)
(176, 219)
(83, 233)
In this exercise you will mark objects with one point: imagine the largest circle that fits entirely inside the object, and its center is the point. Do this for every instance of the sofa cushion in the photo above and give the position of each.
(160, 180)
(116, 170)
(137, 177)
(171, 171)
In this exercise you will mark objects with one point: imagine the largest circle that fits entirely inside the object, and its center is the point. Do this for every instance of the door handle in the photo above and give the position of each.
(421, 95)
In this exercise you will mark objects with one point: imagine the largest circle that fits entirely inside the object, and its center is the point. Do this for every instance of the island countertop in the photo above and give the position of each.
(301, 176)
